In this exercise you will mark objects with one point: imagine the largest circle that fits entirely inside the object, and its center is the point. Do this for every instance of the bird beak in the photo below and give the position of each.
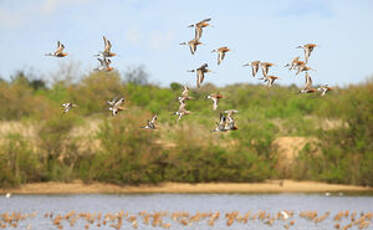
(248, 64)
(213, 51)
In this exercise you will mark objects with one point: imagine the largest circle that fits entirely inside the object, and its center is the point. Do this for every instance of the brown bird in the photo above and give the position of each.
(181, 112)
(200, 71)
(115, 105)
(308, 86)
(270, 80)
(265, 68)
(324, 89)
(192, 45)
(107, 51)
(59, 51)
(308, 48)
(221, 53)
(199, 26)
(303, 68)
(215, 99)
(151, 124)
(254, 67)
(293, 63)
(104, 65)
(230, 123)
(185, 92)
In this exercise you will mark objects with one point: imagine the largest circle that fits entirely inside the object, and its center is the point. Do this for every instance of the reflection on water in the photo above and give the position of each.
(192, 204)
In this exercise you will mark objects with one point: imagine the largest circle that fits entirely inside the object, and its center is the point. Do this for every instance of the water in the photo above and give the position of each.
(192, 203)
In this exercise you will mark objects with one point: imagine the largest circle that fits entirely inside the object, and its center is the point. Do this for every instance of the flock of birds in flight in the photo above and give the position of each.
(226, 120)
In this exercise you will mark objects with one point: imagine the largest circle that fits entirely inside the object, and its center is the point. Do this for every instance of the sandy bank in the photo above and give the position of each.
(268, 187)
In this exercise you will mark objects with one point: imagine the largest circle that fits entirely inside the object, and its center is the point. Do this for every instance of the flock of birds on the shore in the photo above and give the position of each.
(226, 120)
(343, 220)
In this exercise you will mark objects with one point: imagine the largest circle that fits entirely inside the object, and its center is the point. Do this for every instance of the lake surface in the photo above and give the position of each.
(191, 203)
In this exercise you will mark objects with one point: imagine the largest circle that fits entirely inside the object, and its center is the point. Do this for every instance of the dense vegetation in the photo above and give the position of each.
(50, 146)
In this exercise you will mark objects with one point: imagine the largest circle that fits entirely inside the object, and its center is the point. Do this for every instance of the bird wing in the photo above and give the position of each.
(192, 48)
(119, 102)
(254, 69)
(306, 54)
(155, 117)
(215, 105)
(222, 119)
(308, 81)
(185, 92)
(60, 48)
(201, 76)
(102, 63)
(198, 32)
(203, 21)
(264, 70)
(181, 107)
(107, 44)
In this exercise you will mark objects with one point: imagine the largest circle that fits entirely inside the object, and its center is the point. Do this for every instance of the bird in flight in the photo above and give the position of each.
(198, 27)
(107, 49)
(215, 99)
(115, 105)
(200, 71)
(254, 67)
(308, 48)
(151, 124)
(59, 51)
(221, 53)
(192, 45)
(308, 86)
(68, 106)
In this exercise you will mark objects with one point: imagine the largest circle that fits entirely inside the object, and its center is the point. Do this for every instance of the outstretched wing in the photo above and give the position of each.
(308, 81)
(203, 21)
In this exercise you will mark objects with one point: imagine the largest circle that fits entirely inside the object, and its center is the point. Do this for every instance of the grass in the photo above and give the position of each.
(119, 152)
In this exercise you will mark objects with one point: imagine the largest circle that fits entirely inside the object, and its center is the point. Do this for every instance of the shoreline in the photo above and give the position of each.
(289, 186)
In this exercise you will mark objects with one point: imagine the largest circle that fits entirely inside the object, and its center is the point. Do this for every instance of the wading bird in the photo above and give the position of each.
(230, 125)
(181, 112)
(221, 53)
(308, 86)
(308, 48)
(59, 51)
(104, 65)
(324, 89)
(200, 71)
(303, 68)
(293, 63)
(182, 99)
(198, 27)
(270, 80)
(192, 45)
(115, 105)
(220, 126)
(68, 106)
(185, 92)
(265, 68)
(215, 99)
(107, 51)
(254, 67)
(151, 124)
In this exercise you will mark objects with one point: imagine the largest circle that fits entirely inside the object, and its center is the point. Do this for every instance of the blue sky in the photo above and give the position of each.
(148, 32)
